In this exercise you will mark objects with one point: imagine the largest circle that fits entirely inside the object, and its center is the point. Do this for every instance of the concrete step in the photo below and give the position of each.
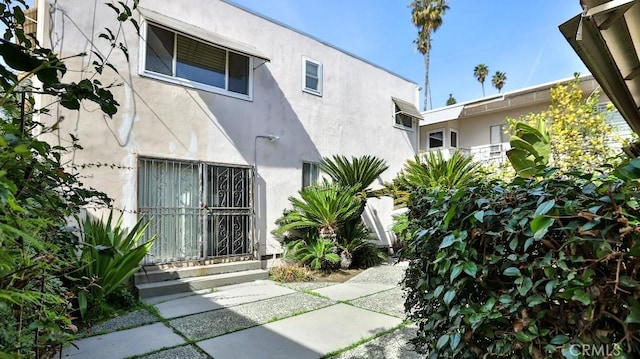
(172, 273)
(147, 290)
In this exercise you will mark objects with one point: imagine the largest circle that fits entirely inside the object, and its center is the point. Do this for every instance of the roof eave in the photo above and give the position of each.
(587, 41)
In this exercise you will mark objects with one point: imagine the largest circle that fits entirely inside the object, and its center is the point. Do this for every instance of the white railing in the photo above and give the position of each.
(490, 154)
(487, 154)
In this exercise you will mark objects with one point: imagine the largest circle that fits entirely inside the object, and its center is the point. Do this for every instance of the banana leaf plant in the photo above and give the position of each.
(530, 148)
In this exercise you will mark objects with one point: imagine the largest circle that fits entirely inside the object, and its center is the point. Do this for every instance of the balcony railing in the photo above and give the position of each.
(488, 154)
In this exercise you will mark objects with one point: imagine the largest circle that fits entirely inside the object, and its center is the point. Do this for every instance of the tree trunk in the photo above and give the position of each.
(426, 72)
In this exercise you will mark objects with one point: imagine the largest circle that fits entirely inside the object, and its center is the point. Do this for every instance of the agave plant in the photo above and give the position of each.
(110, 255)
(324, 206)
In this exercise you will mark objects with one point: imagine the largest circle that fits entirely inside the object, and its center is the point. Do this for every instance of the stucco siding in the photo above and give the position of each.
(354, 115)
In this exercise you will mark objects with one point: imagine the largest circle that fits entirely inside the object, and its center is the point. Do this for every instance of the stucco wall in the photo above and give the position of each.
(159, 119)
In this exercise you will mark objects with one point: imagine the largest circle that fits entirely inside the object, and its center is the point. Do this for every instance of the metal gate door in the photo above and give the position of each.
(198, 210)
(228, 216)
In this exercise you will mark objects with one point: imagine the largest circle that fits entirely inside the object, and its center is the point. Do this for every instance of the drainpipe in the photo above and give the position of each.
(271, 138)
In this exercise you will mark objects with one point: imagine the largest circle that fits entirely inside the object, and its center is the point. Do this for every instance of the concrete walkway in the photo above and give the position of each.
(265, 319)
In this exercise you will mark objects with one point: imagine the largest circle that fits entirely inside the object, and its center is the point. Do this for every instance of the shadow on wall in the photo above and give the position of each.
(372, 219)
(246, 124)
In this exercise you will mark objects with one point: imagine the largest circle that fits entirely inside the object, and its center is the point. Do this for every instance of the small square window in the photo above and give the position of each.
(310, 174)
(312, 76)
(436, 139)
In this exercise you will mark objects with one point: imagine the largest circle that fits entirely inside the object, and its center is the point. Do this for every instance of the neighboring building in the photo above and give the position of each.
(478, 127)
(224, 115)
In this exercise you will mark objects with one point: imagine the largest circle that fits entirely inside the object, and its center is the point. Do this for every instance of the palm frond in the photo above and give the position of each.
(359, 171)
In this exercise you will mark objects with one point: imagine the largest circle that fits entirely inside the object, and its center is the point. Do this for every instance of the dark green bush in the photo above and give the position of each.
(533, 268)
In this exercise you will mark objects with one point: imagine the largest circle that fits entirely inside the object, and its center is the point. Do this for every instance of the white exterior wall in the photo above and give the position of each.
(159, 119)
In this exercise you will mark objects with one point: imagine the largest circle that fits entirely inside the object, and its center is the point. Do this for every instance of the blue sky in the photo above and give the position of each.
(520, 38)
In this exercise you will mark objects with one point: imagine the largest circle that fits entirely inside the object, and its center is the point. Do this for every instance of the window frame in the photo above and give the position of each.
(442, 130)
(399, 124)
(318, 91)
(451, 132)
(142, 70)
(314, 172)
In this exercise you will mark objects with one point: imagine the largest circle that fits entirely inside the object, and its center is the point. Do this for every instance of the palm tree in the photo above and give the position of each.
(480, 72)
(498, 80)
(426, 15)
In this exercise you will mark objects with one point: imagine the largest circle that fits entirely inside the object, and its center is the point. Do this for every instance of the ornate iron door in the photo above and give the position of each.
(228, 219)
(198, 210)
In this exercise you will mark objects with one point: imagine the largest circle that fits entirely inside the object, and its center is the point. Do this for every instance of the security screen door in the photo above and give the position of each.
(198, 210)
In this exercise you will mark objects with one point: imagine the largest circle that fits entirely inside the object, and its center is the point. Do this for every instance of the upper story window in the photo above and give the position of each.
(403, 120)
(404, 114)
(312, 76)
(179, 58)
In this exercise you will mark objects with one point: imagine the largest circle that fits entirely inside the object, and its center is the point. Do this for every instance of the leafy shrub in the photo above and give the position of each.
(110, 256)
(316, 252)
(526, 269)
(290, 273)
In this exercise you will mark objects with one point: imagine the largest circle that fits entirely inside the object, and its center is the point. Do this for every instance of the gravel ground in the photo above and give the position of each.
(302, 286)
(390, 302)
(132, 319)
(222, 321)
(184, 352)
(384, 274)
(389, 346)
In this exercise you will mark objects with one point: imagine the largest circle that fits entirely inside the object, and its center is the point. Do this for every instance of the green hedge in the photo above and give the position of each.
(533, 268)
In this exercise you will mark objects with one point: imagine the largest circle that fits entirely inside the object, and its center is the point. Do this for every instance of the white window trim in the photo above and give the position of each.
(457, 137)
(444, 139)
(184, 82)
(317, 92)
(313, 164)
(399, 126)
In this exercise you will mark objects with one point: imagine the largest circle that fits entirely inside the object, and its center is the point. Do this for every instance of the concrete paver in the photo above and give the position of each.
(218, 322)
(183, 352)
(221, 298)
(266, 320)
(308, 335)
(388, 302)
(125, 343)
(392, 345)
(349, 291)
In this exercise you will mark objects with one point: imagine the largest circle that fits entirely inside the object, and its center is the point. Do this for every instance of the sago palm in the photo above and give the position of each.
(324, 206)
(431, 169)
(359, 172)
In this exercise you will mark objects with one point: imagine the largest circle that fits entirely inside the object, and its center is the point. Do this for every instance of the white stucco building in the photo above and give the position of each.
(223, 115)
(477, 127)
